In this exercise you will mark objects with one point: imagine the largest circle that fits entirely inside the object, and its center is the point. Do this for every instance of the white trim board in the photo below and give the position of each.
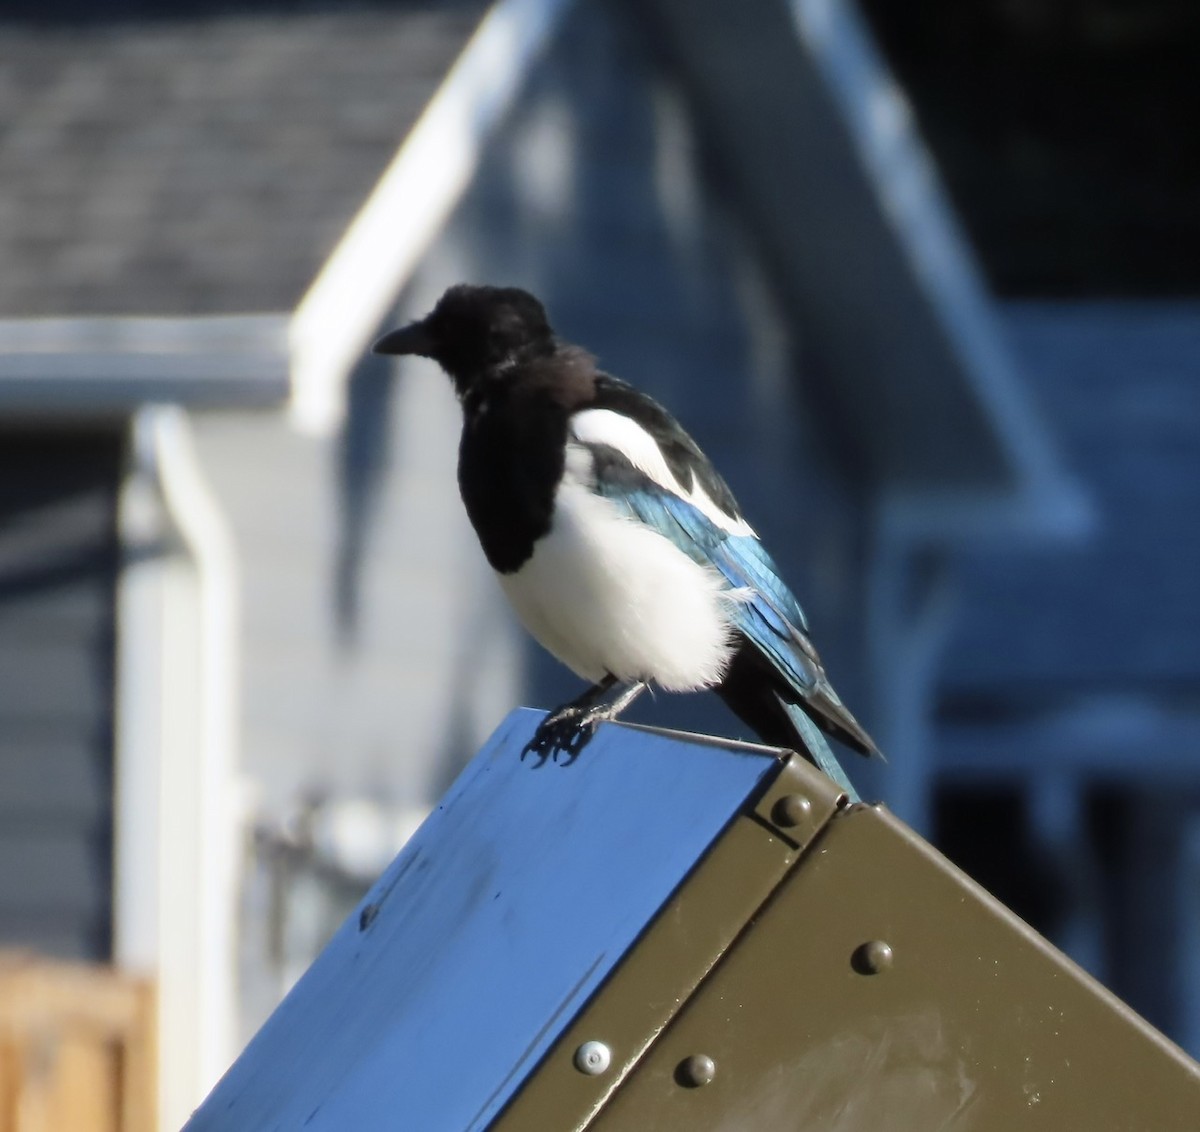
(342, 310)
(176, 833)
(114, 364)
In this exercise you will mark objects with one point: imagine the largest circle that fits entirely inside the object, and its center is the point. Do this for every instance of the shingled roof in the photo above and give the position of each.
(204, 162)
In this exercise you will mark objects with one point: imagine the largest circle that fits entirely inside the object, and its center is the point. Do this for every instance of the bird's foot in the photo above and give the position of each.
(568, 729)
(564, 732)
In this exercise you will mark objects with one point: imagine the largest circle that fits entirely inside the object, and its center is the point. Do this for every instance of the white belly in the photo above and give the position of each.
(606, 594)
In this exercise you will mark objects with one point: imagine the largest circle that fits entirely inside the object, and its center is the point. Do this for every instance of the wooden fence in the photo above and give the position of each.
(76, 1048)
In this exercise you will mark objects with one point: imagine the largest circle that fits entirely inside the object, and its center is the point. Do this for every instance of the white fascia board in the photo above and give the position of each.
(881, 127)
(342, 310)
(109, 365)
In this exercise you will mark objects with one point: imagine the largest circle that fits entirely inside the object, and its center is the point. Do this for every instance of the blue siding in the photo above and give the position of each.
(1069, 732)
(1120, 612)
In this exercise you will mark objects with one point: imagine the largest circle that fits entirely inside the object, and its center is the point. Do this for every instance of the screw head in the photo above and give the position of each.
(694, 1071)
(791, 810)
(593, 1058)
(872, 958)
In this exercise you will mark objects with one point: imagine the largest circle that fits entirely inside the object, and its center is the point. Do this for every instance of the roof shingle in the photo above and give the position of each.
(201, 165)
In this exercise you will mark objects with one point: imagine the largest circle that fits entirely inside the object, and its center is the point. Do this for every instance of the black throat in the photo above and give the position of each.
(513, 451)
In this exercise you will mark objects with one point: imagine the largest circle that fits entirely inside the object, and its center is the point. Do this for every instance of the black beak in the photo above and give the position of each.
(410, 339)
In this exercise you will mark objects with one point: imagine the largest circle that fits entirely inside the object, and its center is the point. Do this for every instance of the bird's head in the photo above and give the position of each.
(476, 333)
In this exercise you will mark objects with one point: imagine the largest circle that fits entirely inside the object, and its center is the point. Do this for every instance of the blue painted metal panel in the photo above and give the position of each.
(486, 935)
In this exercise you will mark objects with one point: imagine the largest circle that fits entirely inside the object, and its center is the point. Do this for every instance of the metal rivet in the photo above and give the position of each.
(694, 1071)
(872, 958)
(791, 810)
(593, 1058)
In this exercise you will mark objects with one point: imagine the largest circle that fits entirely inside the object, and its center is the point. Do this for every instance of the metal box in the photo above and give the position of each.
(675, 932)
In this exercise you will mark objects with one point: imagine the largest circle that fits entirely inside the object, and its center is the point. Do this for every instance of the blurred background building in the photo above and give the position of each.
(920, 277)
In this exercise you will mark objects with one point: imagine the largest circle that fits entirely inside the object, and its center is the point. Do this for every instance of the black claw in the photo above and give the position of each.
(569, 729)
(563, 733)
(532, 747)
(573, 744)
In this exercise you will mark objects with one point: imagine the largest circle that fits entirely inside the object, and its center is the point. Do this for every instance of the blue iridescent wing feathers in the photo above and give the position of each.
(768, 614)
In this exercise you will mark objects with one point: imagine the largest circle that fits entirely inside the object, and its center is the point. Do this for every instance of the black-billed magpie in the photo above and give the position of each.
(620, 547)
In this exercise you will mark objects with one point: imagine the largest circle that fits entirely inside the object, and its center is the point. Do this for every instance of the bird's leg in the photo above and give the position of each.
(560, 723)
(628, 695)
(592, 717)
(586, 724)
(581, 704)
(570, 727)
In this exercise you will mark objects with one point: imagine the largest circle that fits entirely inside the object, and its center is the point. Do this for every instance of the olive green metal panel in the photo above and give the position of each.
(880, 989)
(679, 948)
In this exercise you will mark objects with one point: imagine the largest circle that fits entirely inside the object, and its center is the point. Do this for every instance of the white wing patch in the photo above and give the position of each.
(605, 426)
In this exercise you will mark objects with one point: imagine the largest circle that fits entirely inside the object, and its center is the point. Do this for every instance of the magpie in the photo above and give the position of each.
(621, 549)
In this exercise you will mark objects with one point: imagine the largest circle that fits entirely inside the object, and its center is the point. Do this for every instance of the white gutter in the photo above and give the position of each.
(343, 309)
(209, 543)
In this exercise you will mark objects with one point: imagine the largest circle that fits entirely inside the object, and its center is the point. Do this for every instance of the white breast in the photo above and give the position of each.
(607, 594)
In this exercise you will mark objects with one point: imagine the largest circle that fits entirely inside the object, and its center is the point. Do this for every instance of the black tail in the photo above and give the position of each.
(755, 692)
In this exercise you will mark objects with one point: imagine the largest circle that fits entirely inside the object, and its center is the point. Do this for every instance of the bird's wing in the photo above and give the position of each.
(767, 614)
(644, 461)
(657, 444)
